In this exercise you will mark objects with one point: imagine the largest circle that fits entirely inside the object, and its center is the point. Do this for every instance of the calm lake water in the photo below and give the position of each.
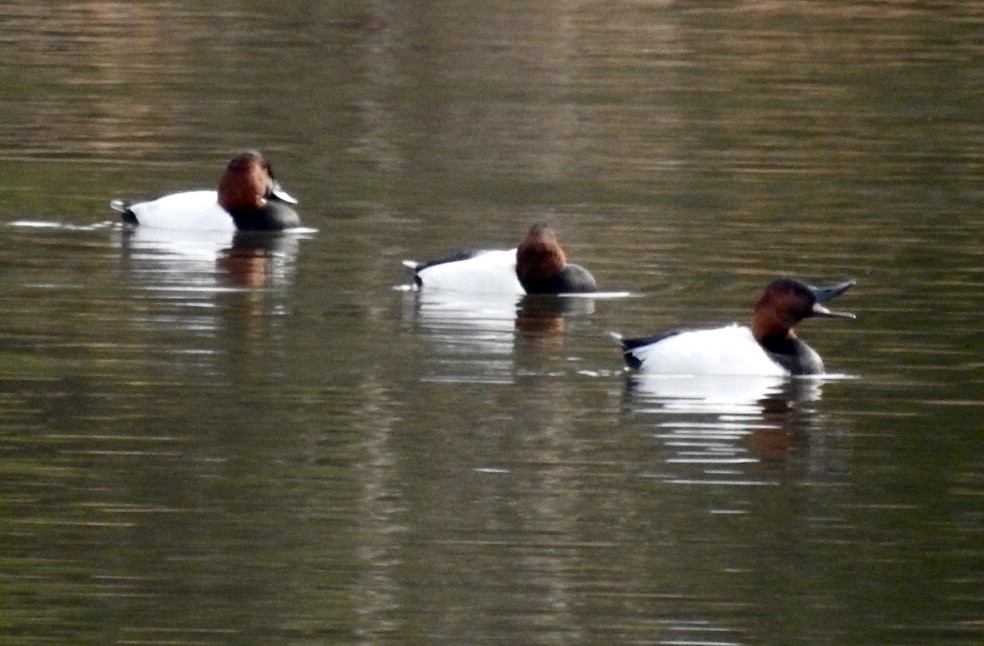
(215, 440)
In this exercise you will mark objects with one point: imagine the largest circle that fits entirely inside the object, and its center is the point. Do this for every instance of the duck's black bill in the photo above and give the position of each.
(278, 192)
(823, 294)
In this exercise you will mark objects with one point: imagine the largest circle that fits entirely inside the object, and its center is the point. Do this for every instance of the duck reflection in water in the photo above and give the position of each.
(542, 319)
(479, 333)
(713, 425)
(209, 280)
(258, 259)
(256, 265)
(171, 258)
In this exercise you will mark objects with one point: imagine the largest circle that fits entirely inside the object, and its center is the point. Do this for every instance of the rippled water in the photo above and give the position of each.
(241, 439)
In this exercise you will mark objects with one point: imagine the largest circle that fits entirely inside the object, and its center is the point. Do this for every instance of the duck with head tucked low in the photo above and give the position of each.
(769, 347)
(248, 198)
(537, 266)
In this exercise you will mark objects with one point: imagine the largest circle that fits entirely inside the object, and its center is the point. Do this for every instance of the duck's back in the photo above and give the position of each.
(730, 350)
(189, 211)
(484, 272)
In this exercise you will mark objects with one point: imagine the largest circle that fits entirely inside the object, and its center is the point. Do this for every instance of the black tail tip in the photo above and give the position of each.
(123, 208)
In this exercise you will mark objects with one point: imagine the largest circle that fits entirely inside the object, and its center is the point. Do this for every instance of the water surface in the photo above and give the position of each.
(267, 440)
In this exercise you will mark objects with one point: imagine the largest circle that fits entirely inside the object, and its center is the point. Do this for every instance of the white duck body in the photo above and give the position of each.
(729, 350)
(484, 272)
(187, 211)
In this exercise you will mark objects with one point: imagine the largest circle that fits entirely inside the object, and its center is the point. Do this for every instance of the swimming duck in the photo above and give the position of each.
(537, 266)
(248, 199)
(768, 348)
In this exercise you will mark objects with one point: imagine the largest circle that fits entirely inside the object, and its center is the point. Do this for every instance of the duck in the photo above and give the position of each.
(538, 265)
(248, 198)
(768, 347)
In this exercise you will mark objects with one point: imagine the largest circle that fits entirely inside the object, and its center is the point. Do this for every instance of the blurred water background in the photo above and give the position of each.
(216, 440)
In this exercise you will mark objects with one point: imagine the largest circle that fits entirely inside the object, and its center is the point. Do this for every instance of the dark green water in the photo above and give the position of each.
(203, 441)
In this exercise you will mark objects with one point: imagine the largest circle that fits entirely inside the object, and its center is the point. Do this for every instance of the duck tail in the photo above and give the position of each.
(413, 267)
(123, 208)
(626, 345)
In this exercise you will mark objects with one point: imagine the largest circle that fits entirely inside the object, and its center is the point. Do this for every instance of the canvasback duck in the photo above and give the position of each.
(768, 348)
(537, 266)
(248, 198)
